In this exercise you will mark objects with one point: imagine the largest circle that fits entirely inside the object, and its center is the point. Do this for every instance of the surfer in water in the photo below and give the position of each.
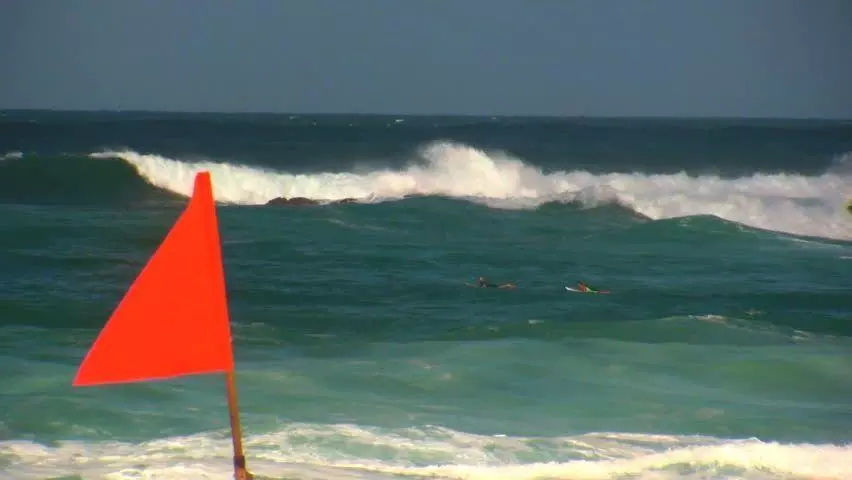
(583, 287)
(482, 282)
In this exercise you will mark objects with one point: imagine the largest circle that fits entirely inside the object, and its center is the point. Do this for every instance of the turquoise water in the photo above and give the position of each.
(723, 350)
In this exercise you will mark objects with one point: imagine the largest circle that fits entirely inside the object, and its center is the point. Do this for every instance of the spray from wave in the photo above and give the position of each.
(796, 204)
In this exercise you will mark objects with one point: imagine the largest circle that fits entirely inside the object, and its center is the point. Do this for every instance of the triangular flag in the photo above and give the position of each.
(173, 321)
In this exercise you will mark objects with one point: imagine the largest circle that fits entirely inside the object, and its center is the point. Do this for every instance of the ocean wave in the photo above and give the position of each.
(788, 203)
(346, 451)
(756, 328)
(11, 156)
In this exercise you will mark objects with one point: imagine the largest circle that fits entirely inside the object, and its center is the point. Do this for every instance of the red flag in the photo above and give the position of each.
(173, 321)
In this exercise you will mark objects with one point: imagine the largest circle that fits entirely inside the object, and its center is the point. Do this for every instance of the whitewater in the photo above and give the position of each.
(314, 452)
(788, 203)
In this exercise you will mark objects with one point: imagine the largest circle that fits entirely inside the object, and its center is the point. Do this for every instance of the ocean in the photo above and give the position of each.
(723, 350)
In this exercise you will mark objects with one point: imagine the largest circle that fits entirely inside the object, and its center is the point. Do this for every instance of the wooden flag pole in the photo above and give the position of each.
(240, 470)
(181, 290)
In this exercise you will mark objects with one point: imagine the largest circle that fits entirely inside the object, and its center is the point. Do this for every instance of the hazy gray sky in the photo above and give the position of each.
(765, 58)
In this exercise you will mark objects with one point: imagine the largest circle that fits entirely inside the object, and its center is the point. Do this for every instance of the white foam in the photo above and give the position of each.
(12, 156)
(797, 204)
(349, 451)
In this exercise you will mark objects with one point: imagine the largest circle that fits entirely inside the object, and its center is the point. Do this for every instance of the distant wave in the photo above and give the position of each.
(788, 203)
(796, 204)
(707, 329)
(75, 180)
(11, 156)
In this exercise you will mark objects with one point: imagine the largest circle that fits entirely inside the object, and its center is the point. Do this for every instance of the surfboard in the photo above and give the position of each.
(580, 291)
(505, 286)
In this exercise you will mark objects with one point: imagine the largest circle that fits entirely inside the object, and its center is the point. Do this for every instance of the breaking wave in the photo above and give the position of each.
(789, 203)
(345, 451)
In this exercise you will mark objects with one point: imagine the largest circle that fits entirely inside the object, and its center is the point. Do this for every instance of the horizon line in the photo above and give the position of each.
(401, 114)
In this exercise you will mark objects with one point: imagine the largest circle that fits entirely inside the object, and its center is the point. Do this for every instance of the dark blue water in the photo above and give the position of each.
(722, 351)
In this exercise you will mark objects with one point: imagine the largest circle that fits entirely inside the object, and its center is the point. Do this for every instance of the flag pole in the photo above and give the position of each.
(240, 470)
(180, 290)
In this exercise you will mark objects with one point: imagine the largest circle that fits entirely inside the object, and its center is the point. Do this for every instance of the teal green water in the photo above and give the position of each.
(723, 351)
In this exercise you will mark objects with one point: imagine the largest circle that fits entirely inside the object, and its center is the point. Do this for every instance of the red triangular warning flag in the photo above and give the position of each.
(173, 321)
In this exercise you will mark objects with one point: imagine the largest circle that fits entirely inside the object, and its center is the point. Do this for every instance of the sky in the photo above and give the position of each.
(729, 58)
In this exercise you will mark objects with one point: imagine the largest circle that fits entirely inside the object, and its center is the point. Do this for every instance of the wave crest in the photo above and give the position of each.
(789, 203)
